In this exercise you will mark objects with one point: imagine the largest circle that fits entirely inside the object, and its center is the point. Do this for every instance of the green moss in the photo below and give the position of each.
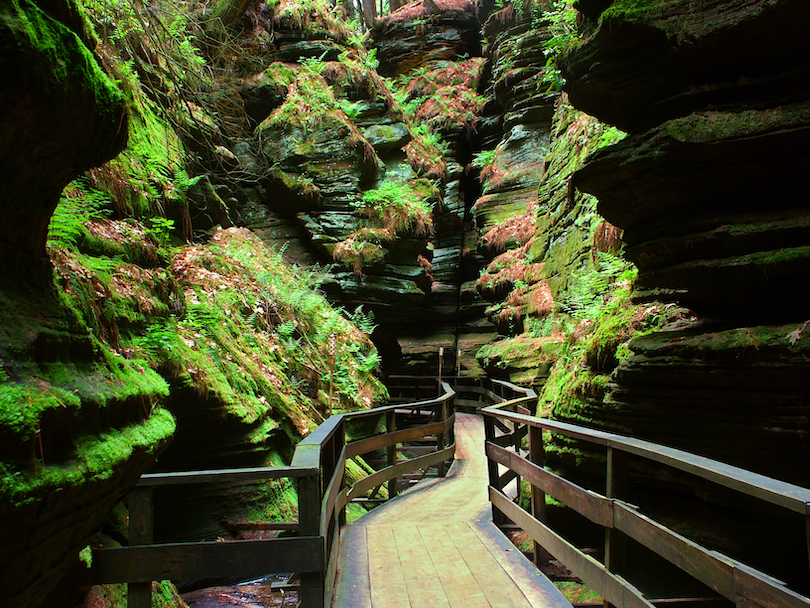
(165, 595)
(713, 126)
(402, 206)
(23, 405)
(634, 10)
(98, 457)
(678, 19)
(57, 54)
(578, 593)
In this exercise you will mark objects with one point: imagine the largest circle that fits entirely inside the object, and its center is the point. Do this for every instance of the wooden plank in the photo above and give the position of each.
(325, 431)
(537, 457)
(307, 456)
(497, 584)
(517, 390)
(222, 475)
(331, 568)
(460, 586)
(770, 490)
(616, 482)
(309, 506)
(391, 452)
(443, 413)
(763, 591)
(402, 467)
(503, 440)
(199, 560)
(504, 479)
(378, 442)
(607, 584)
(141, 525)
(342, 499)
(421, 579)
(387, 581)
(706, 566)
(427, 404)
(596, 508)
(332, 492)
(764, 488)
(353, 589)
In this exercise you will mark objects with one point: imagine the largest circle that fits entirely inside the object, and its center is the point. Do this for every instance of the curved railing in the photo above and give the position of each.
(508, 422)
(318, 466)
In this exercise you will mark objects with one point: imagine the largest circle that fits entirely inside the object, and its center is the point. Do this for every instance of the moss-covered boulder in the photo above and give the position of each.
(61, 114)
(711, 197)
(654, 60)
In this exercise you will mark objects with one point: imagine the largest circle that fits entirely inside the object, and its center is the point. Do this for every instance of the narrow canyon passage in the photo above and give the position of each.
(435, 545)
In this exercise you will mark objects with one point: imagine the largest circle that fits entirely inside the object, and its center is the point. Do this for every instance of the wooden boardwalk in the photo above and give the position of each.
(435, 546)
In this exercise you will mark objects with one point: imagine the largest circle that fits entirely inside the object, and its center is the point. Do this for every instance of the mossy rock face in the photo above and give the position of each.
(726, 54)
(61, 114)
(387, 137)
(728, 241)
(408, 39)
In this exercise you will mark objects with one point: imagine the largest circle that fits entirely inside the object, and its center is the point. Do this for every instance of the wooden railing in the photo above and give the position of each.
(318, 466)
(506, 425)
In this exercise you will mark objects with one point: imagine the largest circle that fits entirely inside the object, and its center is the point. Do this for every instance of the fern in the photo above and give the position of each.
(364, 321)
(590, 286)
(78, 205)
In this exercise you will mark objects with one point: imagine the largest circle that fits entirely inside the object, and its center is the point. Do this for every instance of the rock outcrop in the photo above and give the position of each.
(73, 430)
(709, 190)
(61, 115)
(711, 200)
(110, 316)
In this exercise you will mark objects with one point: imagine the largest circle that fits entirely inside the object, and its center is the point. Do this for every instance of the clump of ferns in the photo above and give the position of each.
(363, 248)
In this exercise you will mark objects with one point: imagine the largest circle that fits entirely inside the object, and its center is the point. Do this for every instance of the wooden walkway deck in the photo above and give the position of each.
(435, 546)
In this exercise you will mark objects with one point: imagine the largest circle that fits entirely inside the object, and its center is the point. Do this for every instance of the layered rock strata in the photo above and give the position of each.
(712, 204)
(709, 190)
(73, 430)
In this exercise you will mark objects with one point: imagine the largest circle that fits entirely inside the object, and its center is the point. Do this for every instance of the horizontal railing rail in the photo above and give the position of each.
(319, 466)
(729, 578)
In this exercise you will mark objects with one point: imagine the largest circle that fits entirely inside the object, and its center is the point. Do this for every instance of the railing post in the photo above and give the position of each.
(616, 487)
(391, 451)
(139, 595)
(311, 592)
(537, 455)
(807, 525)
(451, 410)
(441, 411)
(340, 443)
(498, 518)
(516, 445)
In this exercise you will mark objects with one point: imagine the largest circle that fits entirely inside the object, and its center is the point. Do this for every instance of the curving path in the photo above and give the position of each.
(434, 546)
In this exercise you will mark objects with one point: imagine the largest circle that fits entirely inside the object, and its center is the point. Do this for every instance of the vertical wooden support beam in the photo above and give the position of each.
(327, 462)
(451, 410)
(391, 452)
(516, 445)
(498, 518)
(537, 454)
(139, 595)
(311, 592)
(807, 525)
(441, 415)
(616, 487)
(340, 443)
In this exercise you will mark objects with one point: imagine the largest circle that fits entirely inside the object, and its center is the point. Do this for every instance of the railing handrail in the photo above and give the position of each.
(318, 464)
(744, 585)
(781, 493)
